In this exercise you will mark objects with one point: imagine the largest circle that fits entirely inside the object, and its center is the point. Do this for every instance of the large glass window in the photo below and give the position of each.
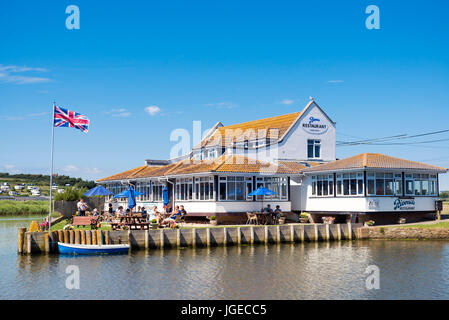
(313, 148)
(420, 184)
(184, 189)
(323, 185)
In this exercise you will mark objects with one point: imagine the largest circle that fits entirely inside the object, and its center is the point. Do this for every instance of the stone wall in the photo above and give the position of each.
(406, 233)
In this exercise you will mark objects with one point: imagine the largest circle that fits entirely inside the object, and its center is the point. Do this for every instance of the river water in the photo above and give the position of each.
(336, 270)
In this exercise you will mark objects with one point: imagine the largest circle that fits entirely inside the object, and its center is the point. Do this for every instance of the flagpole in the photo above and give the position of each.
(51, 170)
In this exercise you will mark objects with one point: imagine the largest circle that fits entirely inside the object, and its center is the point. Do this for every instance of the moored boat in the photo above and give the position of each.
(65, 248)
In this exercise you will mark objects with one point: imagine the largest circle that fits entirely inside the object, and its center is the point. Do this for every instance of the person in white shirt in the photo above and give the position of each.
(82, 207)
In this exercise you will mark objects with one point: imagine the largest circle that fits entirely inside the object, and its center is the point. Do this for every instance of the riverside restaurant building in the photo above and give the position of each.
(294, 156)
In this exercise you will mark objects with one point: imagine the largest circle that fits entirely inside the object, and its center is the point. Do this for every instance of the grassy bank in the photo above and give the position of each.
(23, 208)
(442, 224)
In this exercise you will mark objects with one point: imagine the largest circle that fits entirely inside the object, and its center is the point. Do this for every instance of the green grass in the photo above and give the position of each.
(442, 224)
(62, 223)
(22, 208)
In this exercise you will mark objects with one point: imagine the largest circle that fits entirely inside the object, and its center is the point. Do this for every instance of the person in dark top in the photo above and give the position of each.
(110, 209)
(183, 211)
(144, 212)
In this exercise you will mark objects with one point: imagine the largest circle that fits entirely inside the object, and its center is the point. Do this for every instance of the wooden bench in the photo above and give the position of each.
(85, 221)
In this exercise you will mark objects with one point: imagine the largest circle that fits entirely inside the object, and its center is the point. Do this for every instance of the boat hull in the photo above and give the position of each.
(71, 249)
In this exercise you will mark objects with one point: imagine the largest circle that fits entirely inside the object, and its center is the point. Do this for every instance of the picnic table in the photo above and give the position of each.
(85, 221)
(134, 222)
(265, 217)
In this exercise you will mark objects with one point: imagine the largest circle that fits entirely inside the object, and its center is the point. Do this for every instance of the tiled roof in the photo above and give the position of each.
(375, 161)
(270, 128)
(225, 163)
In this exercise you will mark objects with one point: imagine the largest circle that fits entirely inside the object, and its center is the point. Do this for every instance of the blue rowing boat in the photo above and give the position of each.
(71, 249)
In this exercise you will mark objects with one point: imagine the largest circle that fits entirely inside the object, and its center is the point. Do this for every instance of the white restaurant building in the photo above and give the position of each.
(293, 155)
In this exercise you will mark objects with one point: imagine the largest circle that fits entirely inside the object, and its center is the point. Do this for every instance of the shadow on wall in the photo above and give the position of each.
(68, 208)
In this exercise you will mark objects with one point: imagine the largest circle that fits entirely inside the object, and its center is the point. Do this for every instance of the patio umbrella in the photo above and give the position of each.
(165, 195)
(98, 191)
(131, 195)
(261, 191)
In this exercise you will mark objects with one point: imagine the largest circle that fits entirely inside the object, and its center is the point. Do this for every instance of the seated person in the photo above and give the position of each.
(95, 212)
(267, 209)
(119, 212)
(171, 219)
(144, 212)
(183, 211)
(110, 209)
(154, 214)
(278, 211)
(128, 212)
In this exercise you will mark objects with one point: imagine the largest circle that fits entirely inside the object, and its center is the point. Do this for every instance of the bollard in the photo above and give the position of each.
(21, 239)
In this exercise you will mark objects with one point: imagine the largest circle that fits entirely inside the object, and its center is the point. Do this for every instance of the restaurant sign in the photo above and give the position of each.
(404, 204)
(314, 125)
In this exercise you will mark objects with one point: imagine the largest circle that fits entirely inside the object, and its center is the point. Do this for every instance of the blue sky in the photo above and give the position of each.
(228, 61)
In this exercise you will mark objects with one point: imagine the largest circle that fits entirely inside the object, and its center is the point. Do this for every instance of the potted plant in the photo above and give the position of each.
(282, 218)
(304, 217)
(402, 220)
(369, 223)
(213, 220)
(153, 224)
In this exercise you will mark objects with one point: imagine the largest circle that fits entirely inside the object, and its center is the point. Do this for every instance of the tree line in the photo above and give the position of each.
(40, 179)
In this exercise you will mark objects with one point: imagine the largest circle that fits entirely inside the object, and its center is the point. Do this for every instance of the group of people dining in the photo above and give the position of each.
(165, 218)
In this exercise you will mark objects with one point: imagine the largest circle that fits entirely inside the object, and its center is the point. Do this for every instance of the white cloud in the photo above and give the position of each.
(14, 74)
(225, 104)
(287, 101)
(9, 166)
(16, 118)
(72, 169)
(121, 112)
(335, 81)
(152, 110)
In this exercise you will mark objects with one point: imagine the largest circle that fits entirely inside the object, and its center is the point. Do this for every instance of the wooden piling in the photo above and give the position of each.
(94, 236)
(72, 237)
(266, 235)
(100, 237)
(193, 238)
(147, 239)
(252, 235)
(292, 233)
(21, 239)
(46, 243)
(208, 237)
(239, 235)
(83, 236)
(225, 236)
(107, 237)
(60, 236)
(349, 231)
(28, 242)
(178, 238)
(66, 236)
(77, 237)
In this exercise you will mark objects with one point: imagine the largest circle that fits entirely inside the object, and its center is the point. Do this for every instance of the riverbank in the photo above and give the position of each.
(437, 231)
(23, 208)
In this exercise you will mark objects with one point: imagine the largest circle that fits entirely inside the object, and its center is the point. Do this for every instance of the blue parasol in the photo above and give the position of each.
(131, 195)
(165, 195)
(98, 191)
(261, 191)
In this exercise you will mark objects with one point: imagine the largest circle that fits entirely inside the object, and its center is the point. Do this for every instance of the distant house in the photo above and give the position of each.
(12, 193)
(19, 187)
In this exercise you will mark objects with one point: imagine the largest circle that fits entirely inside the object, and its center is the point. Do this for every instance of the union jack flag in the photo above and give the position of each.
(72, 119)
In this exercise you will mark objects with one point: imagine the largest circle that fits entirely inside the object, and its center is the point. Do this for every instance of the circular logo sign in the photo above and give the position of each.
(313, 125)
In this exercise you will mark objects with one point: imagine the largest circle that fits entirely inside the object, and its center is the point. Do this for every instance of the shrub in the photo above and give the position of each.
(70, 194)
(212, 218)
(154, 221)
(10, 207)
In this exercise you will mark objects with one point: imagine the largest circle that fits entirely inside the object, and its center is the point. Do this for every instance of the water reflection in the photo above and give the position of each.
(324, 270)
